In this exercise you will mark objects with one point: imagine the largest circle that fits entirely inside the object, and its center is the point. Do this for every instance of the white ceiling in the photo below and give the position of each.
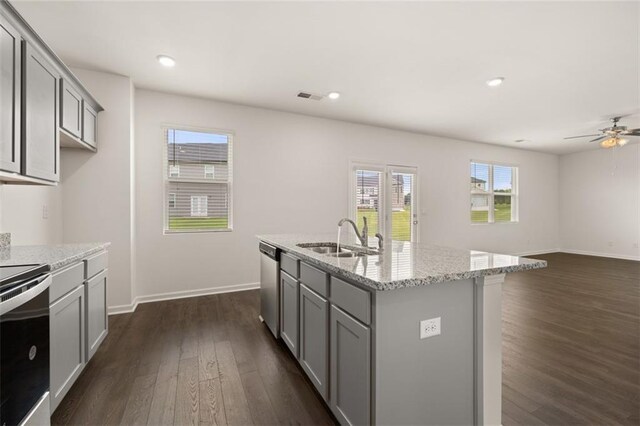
(413, 66)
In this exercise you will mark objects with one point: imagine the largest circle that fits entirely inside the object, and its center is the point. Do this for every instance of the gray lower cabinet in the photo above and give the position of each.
(10, 84)
(70, 109)
(67, 342)
(350, 366)
(40, 143)
(97, 317)
(314, 334)
(289, 288)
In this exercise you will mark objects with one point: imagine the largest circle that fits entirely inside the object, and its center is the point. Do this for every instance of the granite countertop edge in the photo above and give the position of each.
(57, 256)
(384, 285)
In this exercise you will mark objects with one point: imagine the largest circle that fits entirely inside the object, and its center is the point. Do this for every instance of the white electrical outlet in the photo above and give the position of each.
(610, 243)
(429, 327)
(45, 212)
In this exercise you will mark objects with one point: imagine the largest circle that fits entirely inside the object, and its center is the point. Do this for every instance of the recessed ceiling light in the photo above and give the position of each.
(166, 61)
(495, 82)
(333, 95)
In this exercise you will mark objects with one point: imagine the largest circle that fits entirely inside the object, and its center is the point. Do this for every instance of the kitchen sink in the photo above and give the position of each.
(331, 249)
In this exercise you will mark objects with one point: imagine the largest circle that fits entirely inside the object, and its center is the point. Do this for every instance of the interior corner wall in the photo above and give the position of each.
(291, 174)
(600, 202)
(96, 187)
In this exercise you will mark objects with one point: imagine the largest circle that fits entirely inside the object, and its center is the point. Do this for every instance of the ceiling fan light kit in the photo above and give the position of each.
(611, 137)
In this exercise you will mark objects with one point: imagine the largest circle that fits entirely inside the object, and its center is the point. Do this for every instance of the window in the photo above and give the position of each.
(385, 196)
(494, 193)
(198, 182)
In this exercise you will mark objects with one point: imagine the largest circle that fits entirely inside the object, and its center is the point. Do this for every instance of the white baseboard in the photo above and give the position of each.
(536, 252)
(123, 309)
(593, 253)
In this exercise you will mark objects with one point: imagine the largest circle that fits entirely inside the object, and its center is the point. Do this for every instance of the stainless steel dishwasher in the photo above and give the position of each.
(269, 287)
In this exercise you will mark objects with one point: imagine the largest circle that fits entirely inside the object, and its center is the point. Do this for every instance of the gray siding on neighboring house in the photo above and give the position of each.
(216, 204)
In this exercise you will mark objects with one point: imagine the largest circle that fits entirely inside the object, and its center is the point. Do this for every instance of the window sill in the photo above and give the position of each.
(195, 231)
(513, 222)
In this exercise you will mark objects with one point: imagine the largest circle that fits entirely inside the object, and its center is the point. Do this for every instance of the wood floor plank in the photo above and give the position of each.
(136, 411)
(163, 403)
(235, 401)
(258, 400)
(188, 388)
(212, 410)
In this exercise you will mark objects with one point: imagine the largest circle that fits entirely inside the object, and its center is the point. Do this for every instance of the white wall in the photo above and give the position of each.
(97, 188)
(291, 175)
(21, 213)
(600, 202)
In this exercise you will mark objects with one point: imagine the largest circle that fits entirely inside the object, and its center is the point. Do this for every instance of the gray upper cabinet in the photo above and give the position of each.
(43, 106)
(67, 342)
(350, 366)
(10, 83)
(40, 145)
(97, 320)
(90, 125)
(71, 109)
(314, 334)
(289, 311)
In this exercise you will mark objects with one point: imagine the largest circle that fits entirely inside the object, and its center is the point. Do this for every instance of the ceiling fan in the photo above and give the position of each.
(613, 136)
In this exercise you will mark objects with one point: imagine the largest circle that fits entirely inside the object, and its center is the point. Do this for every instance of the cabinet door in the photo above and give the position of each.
(10, 78)
(89, 125)
(350, 366)
(314, 348)
(67, 323)
(289, 311)
(71, 109)
(97, 320)
(40, 144)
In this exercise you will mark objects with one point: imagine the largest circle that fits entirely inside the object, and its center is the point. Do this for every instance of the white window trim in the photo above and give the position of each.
(212, 172)
(384, 223)
(165, 178)
(515, 193)
(175, 167)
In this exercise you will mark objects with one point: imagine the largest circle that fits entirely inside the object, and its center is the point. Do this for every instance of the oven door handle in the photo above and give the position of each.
(10, 304)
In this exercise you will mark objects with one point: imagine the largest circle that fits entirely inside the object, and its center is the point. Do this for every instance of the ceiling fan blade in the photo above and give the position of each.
(583, 136)
(632, 132)
(599, 139)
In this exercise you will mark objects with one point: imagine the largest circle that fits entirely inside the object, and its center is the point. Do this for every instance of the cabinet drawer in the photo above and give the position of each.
(95, 264)
(352, 299)
(290, 265)
(314, 278)
(65, 280)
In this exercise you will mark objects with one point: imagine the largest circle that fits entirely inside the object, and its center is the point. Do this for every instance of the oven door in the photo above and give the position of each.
(24, 347)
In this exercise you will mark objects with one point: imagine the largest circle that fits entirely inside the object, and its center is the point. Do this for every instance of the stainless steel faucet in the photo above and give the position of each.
(380, 241)
(364, 237)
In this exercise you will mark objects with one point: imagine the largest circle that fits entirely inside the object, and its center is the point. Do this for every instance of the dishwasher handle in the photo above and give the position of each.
(269, 250)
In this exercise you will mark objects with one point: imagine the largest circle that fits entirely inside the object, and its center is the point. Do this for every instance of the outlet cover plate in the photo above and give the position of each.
(430, 328)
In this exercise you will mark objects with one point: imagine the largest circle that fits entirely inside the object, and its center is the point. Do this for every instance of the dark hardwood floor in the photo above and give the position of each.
(571, 356)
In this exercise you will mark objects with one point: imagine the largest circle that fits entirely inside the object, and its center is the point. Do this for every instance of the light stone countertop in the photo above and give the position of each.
(402, 264)
(56, 256)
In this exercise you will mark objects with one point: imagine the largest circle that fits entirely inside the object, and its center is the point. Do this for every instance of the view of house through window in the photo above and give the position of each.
(198, 180)
(493, 193)
(384, 195)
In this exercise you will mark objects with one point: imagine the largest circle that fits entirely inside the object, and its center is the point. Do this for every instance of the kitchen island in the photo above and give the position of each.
(409, 334)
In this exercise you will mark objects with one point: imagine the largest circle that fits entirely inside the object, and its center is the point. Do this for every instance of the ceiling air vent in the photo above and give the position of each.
(306, 95)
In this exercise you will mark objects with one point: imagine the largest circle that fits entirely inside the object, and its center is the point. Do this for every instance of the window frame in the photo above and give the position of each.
(514, 194)
(166, 179)
(212, 173)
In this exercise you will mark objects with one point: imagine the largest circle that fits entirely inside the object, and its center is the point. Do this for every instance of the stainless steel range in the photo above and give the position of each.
(24, 345)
